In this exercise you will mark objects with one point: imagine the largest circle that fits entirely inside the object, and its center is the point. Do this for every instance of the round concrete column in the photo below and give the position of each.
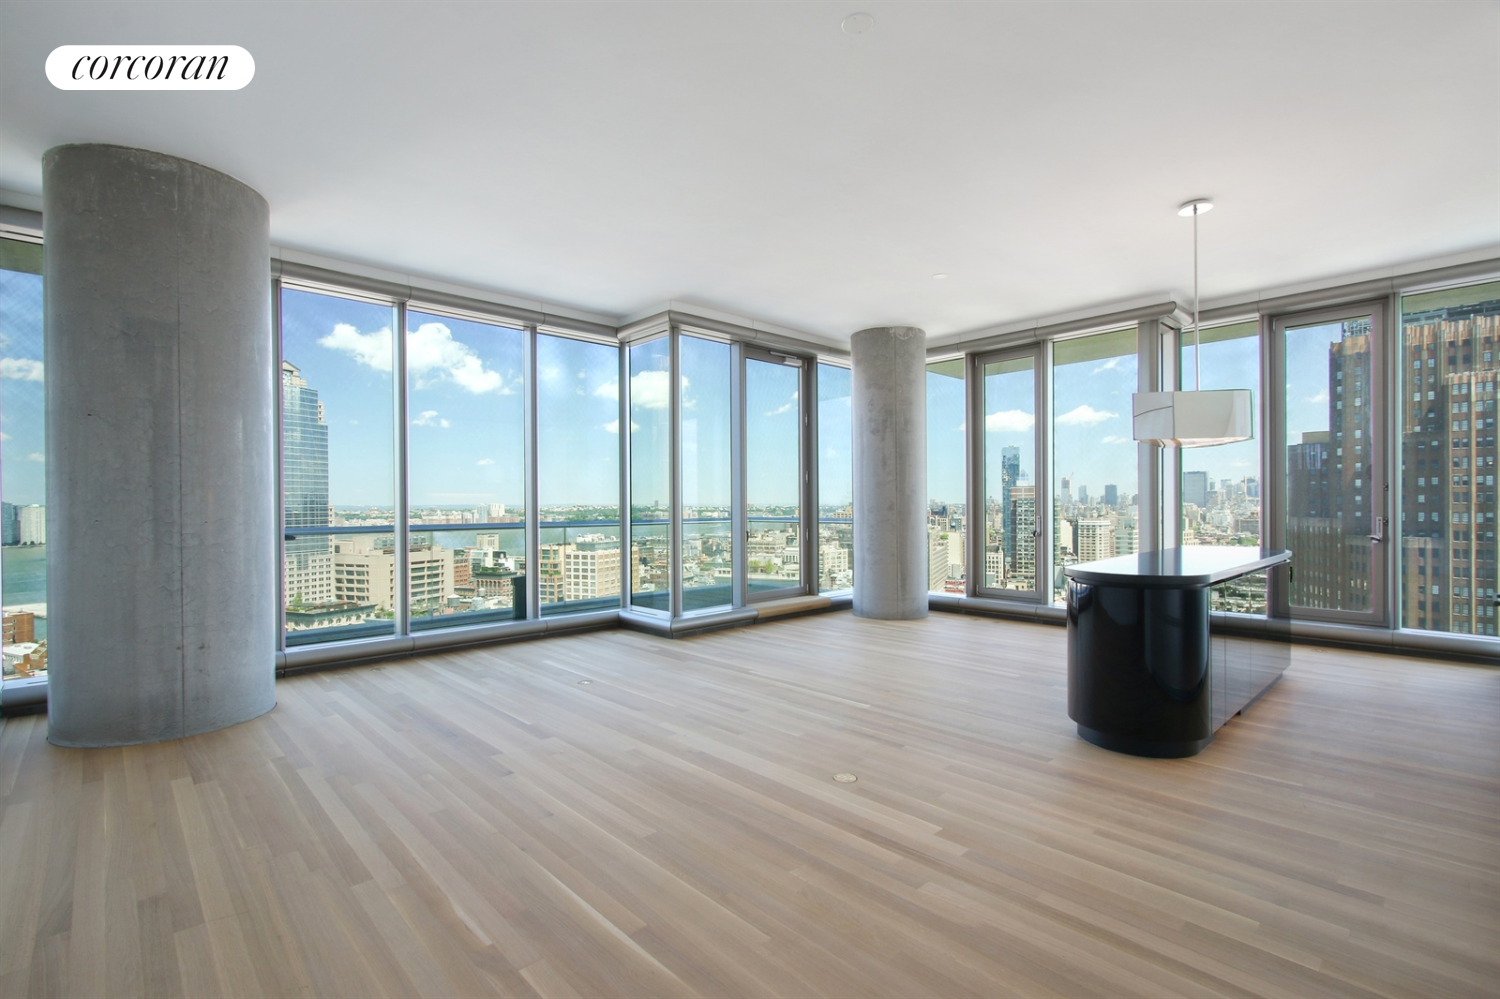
(161, 479)
(890, 472)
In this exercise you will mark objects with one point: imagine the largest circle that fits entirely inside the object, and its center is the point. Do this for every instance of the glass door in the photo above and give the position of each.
(1329, 501)
(1009, 446)
(774, 475)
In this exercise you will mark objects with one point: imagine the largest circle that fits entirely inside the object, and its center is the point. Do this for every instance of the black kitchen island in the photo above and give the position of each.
(1148, 674)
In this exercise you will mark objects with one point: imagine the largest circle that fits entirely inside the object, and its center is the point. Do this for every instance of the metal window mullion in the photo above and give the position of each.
(280, 498)
(977, 536)
(1171, 458)
(674, 486)
(738, 511)
(531, 488)
(809, 397)
(401, 585)
(1044, 474)
(1148, 474)
(627, 545)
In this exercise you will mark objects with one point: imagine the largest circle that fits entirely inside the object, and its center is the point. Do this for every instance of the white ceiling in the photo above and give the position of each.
(754, 158)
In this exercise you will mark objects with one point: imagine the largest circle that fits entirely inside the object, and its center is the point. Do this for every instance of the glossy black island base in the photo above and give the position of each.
(1147, 672)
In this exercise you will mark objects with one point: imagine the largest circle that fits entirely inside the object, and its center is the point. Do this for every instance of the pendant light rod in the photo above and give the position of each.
(1196, 207)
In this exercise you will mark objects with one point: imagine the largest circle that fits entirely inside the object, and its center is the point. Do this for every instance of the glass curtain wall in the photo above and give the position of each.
(466, 471)
(1010, 474)
(651, 474)
(23, 456)
(773, 475)
(1095, 513)
(338, 467)
(707, 558)
(1449, 364)
(1221, 486)
(578, 474)
(835, 479)
(947, 514)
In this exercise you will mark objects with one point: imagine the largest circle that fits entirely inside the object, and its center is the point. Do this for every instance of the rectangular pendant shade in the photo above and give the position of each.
(1192, 419)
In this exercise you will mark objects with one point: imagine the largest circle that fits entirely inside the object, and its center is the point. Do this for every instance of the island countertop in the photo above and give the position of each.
(1188, 567)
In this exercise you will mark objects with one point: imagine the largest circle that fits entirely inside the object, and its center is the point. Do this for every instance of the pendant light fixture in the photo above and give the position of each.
(1202, 417)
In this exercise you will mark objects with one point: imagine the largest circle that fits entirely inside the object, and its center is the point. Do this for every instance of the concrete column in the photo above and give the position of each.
(890, 472)
(161, 477)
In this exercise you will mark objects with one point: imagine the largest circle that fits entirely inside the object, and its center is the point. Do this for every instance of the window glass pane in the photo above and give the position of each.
(23, 479)
(1094, 509)
(1221, 485)
(946, 522)
(1328, 464)
(835, 479)
(338, 464)
(1010, 474)
(578, 474)
(773, 475)
(650, 474)
(1450, 362)
(706, 555)
(466, 465)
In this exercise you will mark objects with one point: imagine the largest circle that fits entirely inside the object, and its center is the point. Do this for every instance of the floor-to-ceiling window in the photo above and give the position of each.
(707, 559)
(650, 399)
(1331, 492)
(1095, 512)
(338, 467)
(1221, 486)
(835, 479)
(773, 473)
(1010, 479)
(466, 471)
(1449, 359)
(578, 474)
(23, 455)
(947, 508)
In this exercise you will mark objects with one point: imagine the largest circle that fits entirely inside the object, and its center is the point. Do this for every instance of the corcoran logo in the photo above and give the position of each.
(150, 67)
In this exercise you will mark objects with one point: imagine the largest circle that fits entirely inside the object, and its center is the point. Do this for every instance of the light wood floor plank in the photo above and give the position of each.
(482, 823)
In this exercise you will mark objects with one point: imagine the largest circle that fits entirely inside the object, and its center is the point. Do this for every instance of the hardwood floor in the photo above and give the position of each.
(486, 822)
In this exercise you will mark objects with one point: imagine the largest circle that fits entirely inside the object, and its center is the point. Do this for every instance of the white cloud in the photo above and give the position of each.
(1112, 439)
(784, 408)
(37, 457)
(651, 390)
(4, 436)
(613, 426)
(21, 368)
(1085, 416)
(430, 418)
(370, 349)
(1320, 397)
(1013, 420)
(1109, 365)
(485, 461)
(609, 390)
(431, 349)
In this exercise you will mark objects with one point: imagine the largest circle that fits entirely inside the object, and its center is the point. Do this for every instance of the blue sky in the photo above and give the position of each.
(23, 472)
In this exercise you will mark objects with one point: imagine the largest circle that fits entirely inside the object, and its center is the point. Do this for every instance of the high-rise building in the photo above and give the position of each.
(937, 559)
(1094, 539)
(1195, 489)
(1111, 495)
(1451, 358)
(1023, 515)
(31, 524)
(1010, 477)
(10, 524)
(307, 565)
